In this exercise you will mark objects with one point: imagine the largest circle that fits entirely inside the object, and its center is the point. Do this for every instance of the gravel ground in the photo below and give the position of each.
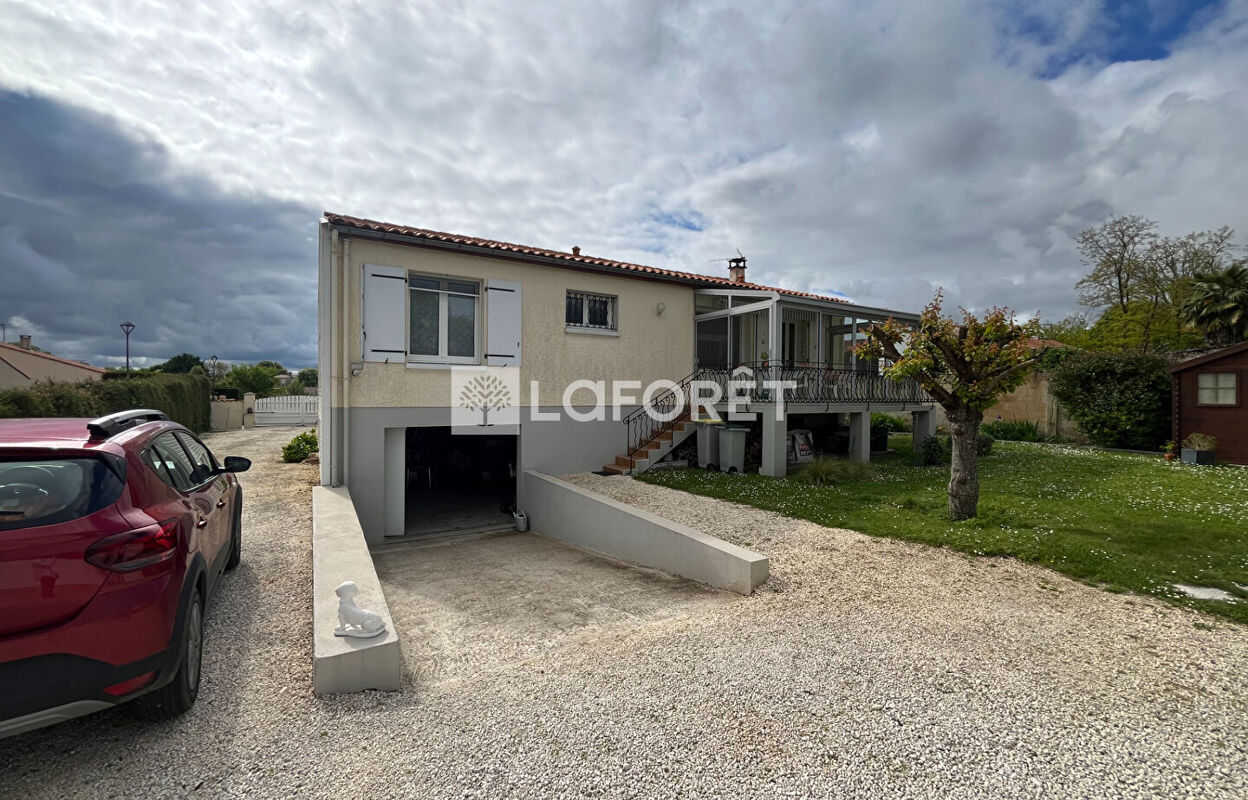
(863, 668)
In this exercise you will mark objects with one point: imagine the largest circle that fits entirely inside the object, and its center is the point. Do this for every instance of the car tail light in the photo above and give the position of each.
(126, 552)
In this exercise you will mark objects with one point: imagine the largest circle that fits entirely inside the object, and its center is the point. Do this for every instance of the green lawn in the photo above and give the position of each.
(1121, 521)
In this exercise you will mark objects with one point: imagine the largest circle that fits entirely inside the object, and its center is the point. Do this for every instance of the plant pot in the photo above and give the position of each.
(1203, 457)
(1169, 456)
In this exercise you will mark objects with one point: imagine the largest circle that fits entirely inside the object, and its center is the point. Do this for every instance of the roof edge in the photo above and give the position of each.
(1208, 357)
(425, 237)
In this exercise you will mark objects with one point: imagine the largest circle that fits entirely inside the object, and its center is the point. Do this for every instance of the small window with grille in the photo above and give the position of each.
(591, 311)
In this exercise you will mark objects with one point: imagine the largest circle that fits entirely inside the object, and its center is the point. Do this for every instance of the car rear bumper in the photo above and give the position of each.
(65, 672)
(50, 716)
(48, 689)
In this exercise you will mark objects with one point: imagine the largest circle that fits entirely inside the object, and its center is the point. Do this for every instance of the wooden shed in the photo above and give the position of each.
(1208, 397)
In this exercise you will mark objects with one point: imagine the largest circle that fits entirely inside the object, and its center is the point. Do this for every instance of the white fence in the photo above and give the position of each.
(288, 410)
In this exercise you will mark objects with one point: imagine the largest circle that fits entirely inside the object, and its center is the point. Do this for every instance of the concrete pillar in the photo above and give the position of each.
(775, 432)
(394, 482)
(249, 410)
(923, 425)
(860, 436)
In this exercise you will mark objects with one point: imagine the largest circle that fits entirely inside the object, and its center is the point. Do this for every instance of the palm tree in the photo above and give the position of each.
(1218, 304)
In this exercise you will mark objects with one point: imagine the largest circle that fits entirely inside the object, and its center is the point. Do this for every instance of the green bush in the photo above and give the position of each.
(184, 398)
(934, 451)
(1013, 430)
(891, 423)
(826, 471)
(300, 447)
(1117, 400)
(937, 450)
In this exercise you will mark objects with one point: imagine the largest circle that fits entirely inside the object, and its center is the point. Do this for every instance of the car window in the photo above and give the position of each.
(43, 491)
(167, 458)
(202, 462)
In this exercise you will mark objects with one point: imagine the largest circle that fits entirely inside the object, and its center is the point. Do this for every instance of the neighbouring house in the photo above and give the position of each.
(21, 365)
(1207, 396)
(407, 314)
(1034, 402)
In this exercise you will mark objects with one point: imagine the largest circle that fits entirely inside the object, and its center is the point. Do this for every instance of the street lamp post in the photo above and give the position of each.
(213, 376)
(127, 326)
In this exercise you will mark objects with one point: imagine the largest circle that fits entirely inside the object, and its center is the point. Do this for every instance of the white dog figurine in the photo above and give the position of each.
(353, 621)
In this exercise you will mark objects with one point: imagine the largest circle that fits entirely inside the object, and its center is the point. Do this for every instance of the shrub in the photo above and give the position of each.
(1200, 441)
(825, 471)
(1013, 430)
(1117, 400)
(937, 450)
(889, 422)
(300, 447)
(184, 398)
(933, 452)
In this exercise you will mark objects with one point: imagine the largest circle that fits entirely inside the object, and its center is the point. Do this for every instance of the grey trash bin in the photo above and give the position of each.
(708, 444)
(732, 448)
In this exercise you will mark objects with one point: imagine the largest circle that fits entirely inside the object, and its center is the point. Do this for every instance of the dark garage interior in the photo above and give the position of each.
(458, 482)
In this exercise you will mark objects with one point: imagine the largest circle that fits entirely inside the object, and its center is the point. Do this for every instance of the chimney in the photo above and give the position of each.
(736, 269)
(23, 341)
(576, 251)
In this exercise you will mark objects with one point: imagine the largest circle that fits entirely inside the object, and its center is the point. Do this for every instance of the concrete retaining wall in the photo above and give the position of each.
(562, 511)
(339, 553)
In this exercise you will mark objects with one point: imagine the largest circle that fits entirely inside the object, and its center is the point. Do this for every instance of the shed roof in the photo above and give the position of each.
(1209, 357)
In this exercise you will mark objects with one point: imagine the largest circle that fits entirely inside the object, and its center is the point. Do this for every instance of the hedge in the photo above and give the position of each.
(1118, 400)
(183, 397)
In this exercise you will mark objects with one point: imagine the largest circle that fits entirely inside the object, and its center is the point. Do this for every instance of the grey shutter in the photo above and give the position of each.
(385, 310)
(502, 324)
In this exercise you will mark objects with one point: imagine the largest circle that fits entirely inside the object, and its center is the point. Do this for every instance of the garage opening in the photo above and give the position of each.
(458, 482)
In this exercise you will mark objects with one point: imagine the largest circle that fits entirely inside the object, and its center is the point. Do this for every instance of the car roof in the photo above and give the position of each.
(62, 432)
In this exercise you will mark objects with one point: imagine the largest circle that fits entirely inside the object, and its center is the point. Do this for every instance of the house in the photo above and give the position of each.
(1034, 402)
(600, 358)
(1207, 396)
(21, 365)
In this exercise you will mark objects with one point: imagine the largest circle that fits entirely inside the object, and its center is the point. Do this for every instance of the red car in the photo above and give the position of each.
(114, 533)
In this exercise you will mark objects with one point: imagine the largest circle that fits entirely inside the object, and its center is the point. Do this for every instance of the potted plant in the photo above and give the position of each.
(1198, 448)
(1168, 449)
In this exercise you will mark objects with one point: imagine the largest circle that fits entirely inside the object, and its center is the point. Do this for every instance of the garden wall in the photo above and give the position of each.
(1033, 402)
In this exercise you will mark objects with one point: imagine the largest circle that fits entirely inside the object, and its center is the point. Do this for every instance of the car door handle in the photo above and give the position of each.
(221, 503)
(202, 523)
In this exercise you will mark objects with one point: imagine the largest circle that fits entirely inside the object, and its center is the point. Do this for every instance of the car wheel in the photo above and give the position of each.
(179, 695)
(236, 535)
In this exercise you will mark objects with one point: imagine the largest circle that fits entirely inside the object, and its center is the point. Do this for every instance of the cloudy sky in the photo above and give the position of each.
(167, 163)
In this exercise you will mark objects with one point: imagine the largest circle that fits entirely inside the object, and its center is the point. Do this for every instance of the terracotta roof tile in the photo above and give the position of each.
(51, 357)
(710, 281)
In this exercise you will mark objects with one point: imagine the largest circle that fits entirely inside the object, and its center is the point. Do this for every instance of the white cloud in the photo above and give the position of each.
(882, 149)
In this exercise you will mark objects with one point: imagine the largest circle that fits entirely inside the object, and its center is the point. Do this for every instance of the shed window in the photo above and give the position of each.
(584, 310)
(1216, 389)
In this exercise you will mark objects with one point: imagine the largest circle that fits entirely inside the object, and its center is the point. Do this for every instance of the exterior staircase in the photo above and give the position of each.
(654, 450)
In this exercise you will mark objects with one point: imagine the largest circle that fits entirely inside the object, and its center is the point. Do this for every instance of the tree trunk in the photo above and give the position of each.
(964, 475)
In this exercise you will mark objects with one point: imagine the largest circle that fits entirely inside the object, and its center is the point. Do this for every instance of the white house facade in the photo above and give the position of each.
(407, 316)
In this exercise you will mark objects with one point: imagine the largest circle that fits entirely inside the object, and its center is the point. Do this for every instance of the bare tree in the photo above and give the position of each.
(1115, 251)
(485, 393)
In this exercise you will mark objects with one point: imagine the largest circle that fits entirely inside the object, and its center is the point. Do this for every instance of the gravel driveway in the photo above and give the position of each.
(864, 668)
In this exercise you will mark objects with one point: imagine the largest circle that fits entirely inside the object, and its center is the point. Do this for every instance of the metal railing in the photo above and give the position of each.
(651, 420)
(808, 384)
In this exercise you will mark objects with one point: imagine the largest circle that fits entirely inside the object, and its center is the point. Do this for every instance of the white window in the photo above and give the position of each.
(443, 320)
(585, 310)
(1215, 389)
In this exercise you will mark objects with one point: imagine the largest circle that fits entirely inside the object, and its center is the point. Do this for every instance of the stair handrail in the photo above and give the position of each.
(641, 426)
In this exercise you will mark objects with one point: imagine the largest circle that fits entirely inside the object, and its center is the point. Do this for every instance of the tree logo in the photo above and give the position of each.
(484, 401)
